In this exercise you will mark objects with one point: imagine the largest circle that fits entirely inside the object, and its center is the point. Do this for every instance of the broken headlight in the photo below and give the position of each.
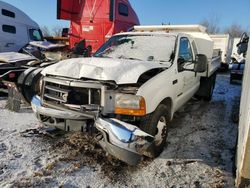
(126, 104)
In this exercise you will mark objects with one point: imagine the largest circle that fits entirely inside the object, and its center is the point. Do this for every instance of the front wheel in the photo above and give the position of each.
(156, 124)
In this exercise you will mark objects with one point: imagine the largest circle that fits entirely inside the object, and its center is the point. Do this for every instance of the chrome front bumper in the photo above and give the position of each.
(122, 140)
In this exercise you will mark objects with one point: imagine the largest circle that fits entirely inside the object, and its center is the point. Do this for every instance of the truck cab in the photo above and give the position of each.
(16, 29)
(131, 87)
(96, 21)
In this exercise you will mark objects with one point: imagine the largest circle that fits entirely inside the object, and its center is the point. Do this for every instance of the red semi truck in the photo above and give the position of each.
(95, 21)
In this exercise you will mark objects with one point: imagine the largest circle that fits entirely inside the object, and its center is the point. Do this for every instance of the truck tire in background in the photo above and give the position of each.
(231, 78)
(224, 67)
(14, 100)
(27, 88)
(156, 124)
(28, 83)
(206, 87)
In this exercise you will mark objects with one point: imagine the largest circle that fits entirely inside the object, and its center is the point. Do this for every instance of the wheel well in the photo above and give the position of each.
(169, 103)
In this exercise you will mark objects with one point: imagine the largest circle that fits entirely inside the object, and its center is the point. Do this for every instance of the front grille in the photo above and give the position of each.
(61, 93)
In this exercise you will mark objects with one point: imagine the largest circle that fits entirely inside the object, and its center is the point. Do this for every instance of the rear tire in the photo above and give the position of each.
(206, 88)
(14, 100)
(156, 124)
(210, 92)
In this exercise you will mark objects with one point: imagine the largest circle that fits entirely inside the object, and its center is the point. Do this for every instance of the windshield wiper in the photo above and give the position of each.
(102, 56)
(130, 58)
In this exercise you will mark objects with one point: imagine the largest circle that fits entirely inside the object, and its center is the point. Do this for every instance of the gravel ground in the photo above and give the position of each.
(199, 152)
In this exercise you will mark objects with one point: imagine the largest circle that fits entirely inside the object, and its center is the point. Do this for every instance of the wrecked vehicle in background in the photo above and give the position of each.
(22, 46)
(130, 89)
(17, 68)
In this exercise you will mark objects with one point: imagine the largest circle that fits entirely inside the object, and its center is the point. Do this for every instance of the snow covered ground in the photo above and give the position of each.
(199, 152)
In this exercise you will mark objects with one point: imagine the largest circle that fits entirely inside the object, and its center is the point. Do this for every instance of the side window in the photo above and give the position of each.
(8, 13)
(9, 29)
(35, 35)
(123, 9)
(185, 50)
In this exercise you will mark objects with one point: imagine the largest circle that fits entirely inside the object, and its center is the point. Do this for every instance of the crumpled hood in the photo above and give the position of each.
(121, 71)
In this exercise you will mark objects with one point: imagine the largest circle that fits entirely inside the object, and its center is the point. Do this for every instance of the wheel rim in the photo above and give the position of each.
(161, 130)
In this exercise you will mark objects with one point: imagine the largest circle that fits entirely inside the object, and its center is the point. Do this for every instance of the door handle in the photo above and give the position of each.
(175, 82)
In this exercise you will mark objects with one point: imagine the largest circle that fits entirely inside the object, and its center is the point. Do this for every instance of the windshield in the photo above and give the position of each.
(139, 47)
(35, 35)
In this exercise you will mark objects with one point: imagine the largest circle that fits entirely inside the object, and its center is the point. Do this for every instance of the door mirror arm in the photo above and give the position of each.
(200, 64)
(181, 63)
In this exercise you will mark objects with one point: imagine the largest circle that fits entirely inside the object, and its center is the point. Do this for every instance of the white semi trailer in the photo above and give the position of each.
(243, 146)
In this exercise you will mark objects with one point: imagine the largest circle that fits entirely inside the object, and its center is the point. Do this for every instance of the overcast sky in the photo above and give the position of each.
(155, 11)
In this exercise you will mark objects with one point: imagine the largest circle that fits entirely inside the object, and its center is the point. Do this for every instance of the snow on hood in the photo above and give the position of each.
(12, 57)
(46, 45)
(121, 71)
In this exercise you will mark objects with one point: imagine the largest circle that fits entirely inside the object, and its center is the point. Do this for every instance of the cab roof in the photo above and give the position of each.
(20, 16)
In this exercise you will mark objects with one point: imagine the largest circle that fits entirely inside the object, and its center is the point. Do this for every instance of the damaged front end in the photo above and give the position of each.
(124, 141)
(73, 105)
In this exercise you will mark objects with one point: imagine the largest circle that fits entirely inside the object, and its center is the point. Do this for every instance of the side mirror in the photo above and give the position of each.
(243, 44)
(201, 63)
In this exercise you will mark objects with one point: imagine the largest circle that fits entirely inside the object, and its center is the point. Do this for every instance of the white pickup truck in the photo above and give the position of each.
(130, 89)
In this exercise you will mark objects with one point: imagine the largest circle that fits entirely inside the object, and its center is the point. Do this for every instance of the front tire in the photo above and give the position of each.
(156, 124)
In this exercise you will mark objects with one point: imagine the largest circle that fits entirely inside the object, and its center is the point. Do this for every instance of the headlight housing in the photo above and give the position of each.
(126, 104)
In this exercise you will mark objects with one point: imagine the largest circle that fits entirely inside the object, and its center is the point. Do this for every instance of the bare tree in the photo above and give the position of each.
(235, 30)
(212, 24)
(45, 31)
(57, 31)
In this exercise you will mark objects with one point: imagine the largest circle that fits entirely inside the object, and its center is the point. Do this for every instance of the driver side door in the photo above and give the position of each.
(186, 58)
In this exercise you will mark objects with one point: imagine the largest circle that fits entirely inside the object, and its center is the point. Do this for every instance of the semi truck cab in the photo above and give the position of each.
(16, 29)
(96, 21)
